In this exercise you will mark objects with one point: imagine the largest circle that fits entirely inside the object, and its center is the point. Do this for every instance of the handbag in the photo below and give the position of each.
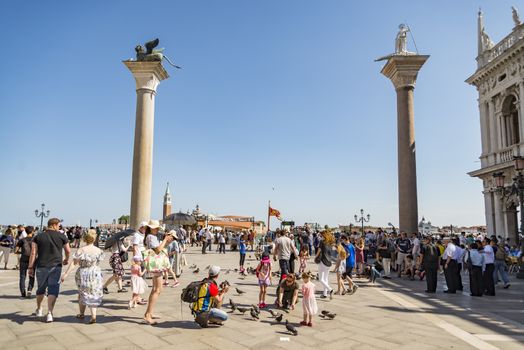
(124, 256)
(154, 262)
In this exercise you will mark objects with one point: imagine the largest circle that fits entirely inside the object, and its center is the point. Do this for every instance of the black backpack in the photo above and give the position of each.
(25, 248)
(190, 293)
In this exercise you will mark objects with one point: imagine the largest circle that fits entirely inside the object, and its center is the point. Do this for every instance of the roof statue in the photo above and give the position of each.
(487, 43)
(516, 18)
(401, 45)
(150, 54)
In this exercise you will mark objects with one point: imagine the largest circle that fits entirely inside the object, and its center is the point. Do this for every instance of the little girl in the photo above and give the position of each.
(263, 273)
(309, 303)
(137, 282)
(341, 269)
(303, 256)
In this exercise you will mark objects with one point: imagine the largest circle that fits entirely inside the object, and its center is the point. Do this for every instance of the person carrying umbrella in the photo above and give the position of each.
(118, 249)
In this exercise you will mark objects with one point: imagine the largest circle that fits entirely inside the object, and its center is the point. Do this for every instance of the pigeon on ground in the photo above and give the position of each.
(243, 310)
(197, 270)
(240, 292)
(291, 328)
(324, 312)
(207, 267)
(279, 317)
(273, 313)
(254, 307)
(193, 266)
(254, 314)
(331, 316)
(232, 303)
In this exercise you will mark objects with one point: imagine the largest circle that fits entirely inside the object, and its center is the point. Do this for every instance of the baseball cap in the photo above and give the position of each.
(214, 270)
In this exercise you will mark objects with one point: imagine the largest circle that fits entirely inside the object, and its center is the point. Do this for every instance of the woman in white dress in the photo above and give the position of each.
(88, 277)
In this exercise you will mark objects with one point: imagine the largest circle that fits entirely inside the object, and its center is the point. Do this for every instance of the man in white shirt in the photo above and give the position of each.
(283, 249)
(459, 257)
(489, 267)
(450, 266)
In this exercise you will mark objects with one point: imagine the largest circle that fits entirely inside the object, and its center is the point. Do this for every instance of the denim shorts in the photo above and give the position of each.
(48, 278)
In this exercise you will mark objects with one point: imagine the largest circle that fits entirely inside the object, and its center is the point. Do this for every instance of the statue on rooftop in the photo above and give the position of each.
(516, 17)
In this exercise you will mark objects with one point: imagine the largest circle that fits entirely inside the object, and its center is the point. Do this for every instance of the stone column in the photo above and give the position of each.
(499, 215)
(403, 70)
(521, 110)
(147, 76)
(489, 211)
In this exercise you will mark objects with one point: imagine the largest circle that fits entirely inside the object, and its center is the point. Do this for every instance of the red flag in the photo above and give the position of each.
(275, 213)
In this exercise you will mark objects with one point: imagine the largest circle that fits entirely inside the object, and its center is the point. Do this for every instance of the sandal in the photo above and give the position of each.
(310, 324)
(92, 321)
(80, 316)
(123, 290)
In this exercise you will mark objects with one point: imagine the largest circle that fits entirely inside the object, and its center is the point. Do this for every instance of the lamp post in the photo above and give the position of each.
(362, 219)
(517, 187)
(392, 226)
(91, 222)
(42, 214)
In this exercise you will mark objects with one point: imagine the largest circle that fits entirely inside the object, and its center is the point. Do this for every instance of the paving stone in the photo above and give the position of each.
(366, 320)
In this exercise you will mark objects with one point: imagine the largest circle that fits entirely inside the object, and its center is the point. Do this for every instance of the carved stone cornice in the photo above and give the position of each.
(147, 74)
(402, 70)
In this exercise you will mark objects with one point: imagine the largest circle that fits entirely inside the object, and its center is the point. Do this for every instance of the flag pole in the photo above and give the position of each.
(268, 215)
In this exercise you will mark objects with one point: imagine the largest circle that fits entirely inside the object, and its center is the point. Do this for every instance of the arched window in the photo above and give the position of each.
(510, 120)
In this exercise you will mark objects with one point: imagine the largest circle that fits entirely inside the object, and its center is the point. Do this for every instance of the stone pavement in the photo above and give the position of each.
(393, 314)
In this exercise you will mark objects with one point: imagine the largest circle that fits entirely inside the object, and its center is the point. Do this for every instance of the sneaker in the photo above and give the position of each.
(202, 319)
(331, 294)
(23, 295)
(123, 290)
(28, 294)
(355, 287)
(49, 318)
(506, 286)
(38, 313)
(106, 291)
(176, 284)
(323, 296)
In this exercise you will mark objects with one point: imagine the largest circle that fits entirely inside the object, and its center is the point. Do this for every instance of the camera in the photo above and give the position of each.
(224, 284)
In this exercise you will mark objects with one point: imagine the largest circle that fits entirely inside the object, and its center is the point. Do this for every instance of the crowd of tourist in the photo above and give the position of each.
(159, 255)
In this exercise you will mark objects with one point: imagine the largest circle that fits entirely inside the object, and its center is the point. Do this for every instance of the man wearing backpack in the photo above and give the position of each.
(210, 296)
(23, 247)
(500, 264)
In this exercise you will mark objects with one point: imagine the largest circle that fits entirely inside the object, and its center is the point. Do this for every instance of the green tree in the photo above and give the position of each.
(124, 219)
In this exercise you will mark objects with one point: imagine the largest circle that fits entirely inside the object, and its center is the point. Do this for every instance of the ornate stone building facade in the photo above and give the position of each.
(499, 80)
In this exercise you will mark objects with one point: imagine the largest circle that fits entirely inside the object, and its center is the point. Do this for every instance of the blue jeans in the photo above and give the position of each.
(48, 278)
(217, 315)
(500, 266)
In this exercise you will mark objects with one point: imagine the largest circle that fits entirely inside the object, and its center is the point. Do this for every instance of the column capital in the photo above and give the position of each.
(402, 70)
(148, 74)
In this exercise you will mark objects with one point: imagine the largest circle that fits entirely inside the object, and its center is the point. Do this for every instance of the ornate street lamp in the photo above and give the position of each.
(42, 214)
(91, 222)
(392, 226)
(362, 219)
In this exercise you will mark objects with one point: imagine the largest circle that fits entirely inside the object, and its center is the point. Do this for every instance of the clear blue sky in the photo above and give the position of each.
(281, 94)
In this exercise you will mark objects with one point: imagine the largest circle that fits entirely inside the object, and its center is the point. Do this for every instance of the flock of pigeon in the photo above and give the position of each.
(254, 310)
